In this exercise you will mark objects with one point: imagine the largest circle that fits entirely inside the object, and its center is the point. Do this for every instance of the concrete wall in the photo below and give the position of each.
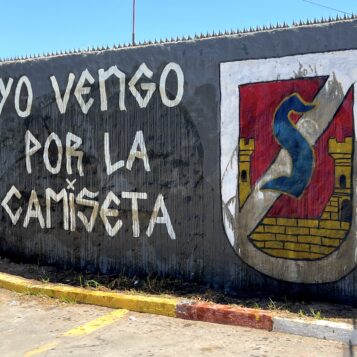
(145, 148)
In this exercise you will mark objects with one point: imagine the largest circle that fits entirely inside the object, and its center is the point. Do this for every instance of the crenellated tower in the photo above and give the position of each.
(246, 148)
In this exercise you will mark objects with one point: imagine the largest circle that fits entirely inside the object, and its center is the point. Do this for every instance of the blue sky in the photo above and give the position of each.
(37, 26)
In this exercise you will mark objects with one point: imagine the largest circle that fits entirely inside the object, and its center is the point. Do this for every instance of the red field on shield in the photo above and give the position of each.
(258, 102)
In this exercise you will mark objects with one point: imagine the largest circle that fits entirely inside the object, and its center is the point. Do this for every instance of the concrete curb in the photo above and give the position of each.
(222, 314)
(139, 303)
(326, 330)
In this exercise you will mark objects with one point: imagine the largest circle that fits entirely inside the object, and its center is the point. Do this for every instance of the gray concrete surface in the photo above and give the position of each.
(29, 322)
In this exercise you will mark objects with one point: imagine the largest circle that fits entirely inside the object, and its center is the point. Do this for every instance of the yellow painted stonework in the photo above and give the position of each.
(307, 239)
(246, 148)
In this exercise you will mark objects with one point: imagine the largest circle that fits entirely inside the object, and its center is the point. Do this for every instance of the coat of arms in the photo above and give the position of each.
(287, 140)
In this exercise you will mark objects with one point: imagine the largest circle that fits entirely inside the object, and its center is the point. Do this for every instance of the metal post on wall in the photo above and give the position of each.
(133, 38)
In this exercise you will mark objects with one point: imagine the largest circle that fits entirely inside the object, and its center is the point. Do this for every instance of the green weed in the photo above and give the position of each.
(68, 300)
(92, 284)
(316, 314)
(301, 313)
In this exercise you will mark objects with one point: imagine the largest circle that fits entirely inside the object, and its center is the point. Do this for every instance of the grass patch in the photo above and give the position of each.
(316, 314)
(91, 284)
(68, 300)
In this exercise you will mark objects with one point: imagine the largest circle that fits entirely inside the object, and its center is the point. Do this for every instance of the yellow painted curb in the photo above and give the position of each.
(152, 305)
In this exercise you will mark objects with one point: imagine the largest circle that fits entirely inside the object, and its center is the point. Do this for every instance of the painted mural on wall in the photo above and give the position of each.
(61, 157)
(123, 159)
(287, 143)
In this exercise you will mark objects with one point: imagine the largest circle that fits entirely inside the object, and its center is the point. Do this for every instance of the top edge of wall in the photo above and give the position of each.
(183, 39)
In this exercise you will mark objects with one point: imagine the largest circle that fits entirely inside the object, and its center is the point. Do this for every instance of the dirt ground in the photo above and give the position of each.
(177, 288)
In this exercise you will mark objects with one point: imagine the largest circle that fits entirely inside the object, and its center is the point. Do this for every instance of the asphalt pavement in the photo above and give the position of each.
(32, 325)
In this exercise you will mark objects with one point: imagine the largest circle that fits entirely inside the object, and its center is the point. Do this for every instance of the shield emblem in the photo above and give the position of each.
(287, 153)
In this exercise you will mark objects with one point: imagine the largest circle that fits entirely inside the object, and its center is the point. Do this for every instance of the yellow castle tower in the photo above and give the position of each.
(246, 148)
(342, 154)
